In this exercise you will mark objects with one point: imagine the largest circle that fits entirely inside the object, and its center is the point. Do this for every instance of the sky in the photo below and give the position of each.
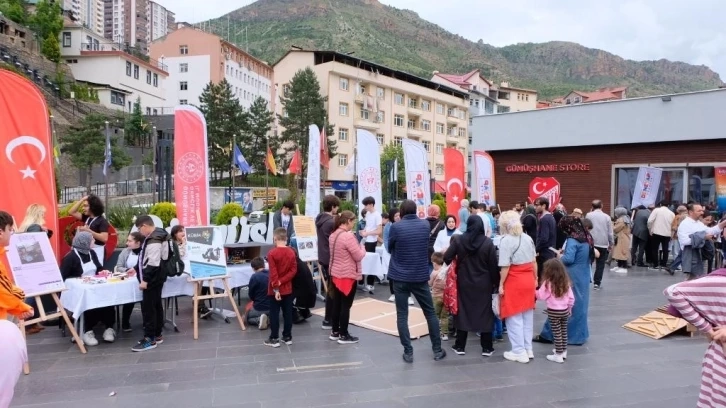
(677, 30)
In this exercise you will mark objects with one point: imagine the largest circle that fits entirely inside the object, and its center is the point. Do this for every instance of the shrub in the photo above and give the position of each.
(437, 197)
(442, 206)
(122, 216)
(165, 211)
(347, 206)
(227, 212)
(65, 210)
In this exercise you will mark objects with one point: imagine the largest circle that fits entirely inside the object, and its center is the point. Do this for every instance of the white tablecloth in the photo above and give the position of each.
(385, 258)
(371, 265)
(85, 296)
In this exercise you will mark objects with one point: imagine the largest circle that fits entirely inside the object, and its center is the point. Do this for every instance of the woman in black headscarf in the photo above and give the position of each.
(477, 279)
(529, 222)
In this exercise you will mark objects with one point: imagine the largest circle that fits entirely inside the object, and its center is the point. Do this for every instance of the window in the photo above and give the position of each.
(183, 50)
(117, 98)
(439, 128)
(426, 125)
(439, 148)
(66, 40)
(398, 120)
(577, 99)
(148, 77)
(462, 114)
(567, 101)
(427, 146)
(184, 67)
(439, 169)
(155, 112)
(364, 113)
(183, 85)
(286, 90)
(148, 111)
(381, 93)
(451, 112)
(182, 102)
(398, 98)
(526, 97)
(519, 96)
(343, 109)
(398, 141)
(451, 131)
(412, 123)
(412, 103)
(343, 160)
(502, 109)
(462, 132)
(128, 68)
(426, 105)
(344, 83)
(439, 109)
(156, 80)
(136, 71)
(380, 117)
(343, 134)
(380, 138)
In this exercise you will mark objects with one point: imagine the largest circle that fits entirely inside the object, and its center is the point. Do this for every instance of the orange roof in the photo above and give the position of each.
(602, 94)
(461, 80)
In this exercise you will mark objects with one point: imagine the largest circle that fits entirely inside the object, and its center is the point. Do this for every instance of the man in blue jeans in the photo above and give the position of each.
(408, 269)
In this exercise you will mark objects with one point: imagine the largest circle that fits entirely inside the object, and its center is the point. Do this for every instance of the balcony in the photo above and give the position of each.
(115, 48)
(367, 122)
(414, 108)
(413, 131)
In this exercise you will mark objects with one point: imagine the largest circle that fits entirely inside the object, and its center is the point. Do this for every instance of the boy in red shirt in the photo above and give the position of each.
(283, 267)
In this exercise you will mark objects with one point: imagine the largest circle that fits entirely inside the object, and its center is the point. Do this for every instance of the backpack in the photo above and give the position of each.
(173, 265)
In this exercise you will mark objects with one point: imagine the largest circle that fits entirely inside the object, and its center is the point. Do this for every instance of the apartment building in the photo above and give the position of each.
(391, 104)
(119, 77)
(88, 13)
(136, 22)
(512, 99)
(195, 58)
(600, 95)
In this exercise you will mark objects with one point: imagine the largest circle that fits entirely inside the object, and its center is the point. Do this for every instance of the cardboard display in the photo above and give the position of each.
(381, 317)
(656, 325)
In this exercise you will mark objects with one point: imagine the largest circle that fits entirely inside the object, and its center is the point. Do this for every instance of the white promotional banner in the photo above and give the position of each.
(483, 179)
(368, 167)
(418, 180)
(646, 186)
(312, 188)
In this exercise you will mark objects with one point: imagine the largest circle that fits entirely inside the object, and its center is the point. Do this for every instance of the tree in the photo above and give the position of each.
(259, 123)
(303, 105)
(47, 23)
(392, 152)
(135, 129)
(50, 48)
(85, 145)
(15, 10)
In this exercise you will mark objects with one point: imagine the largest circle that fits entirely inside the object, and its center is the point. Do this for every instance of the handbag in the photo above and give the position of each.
(451, 292)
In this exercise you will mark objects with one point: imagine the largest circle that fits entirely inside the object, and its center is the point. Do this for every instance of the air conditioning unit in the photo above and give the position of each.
(227, 56)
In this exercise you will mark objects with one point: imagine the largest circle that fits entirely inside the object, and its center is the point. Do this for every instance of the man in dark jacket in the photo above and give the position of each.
(640, 235)
(325, 224)
(154, 251)
(408, 269)
(546, 233)
(283, 219)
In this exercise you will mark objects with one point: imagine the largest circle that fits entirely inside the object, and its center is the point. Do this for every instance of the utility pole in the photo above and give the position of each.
(232, 168)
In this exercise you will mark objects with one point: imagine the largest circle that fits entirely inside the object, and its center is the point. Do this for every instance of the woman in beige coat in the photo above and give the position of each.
(621, 229)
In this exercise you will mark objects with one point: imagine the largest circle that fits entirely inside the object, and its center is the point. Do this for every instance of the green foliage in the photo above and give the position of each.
(347, 206)
(442, 206)
(60, 81)
(392, 152)
(15, 10)
(136, 131)
(227, 212)
(51, 48)
(83, 92)
(122, 215)
(47, 22)
(438, 196)
(165, 211)
(259, 123)
(304, 105)
(85, 145)
(65, 210)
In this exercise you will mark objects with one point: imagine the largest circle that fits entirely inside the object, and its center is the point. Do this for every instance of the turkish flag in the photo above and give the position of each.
(296, 163)
(324, 155)
(454, 172)
(26, 146)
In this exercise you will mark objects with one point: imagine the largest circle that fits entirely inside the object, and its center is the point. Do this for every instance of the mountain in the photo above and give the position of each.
(402, 40)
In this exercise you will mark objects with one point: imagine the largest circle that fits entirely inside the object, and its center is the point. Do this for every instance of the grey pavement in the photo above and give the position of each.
(230, 368)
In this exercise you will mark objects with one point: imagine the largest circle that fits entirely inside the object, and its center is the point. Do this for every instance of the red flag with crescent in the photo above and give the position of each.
(454, 176)
(26, 144)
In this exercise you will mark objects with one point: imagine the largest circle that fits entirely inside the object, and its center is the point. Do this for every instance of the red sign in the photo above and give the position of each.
(191, 181)
(547, 187)
(454, 171)
(551, 167)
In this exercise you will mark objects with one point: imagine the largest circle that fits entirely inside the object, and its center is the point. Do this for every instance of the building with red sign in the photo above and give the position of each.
(594, 151)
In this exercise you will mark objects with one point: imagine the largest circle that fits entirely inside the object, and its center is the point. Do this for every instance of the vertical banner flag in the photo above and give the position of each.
(369, 169)
(26, 145)
(240, 161)
(483, 179)
(720, 175)
(324, 155)
(191, 166)
(454, 173)
(646, 186)
(270, 162)
(418, 180)
(312, 186)
(296, 163)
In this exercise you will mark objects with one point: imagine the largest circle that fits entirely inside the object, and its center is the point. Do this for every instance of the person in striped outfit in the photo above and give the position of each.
(702, 302)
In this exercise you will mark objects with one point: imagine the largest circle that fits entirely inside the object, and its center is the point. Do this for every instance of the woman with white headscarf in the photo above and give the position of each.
(79, 262)
(13, 356)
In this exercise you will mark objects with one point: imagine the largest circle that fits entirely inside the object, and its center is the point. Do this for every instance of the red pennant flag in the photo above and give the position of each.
(324, 157)
(26, 145)
(296, 163)
(454, 172)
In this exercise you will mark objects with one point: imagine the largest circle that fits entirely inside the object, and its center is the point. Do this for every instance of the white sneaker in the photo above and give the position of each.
(556, 358)
(392, 298)
(620, 270)
(530, 354)
(89, 338)
(368, 288)
(109, 335)
(410, 301)
(564, 353)
(613, 269)
(262, 325)
(444, 337)
(516, 357)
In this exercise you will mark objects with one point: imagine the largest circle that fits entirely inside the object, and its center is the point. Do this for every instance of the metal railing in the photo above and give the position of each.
(132, 51)
(122, 188)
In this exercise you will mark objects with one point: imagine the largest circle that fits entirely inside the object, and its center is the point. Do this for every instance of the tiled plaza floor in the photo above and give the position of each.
(230, 368)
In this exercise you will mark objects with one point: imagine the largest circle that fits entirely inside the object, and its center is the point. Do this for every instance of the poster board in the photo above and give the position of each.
(205, 251)
(306, 237)
(33, 264)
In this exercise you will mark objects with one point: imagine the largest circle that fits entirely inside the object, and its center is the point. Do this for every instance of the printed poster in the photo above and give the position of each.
(205, 251)
(306, 237)
(646, 186)
(720, 175)
(33, 264)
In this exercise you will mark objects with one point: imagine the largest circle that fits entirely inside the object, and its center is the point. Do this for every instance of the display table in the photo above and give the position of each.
(80, 296)
(371, 265)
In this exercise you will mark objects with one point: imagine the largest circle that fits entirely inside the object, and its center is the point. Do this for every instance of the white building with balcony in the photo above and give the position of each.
(119, 77)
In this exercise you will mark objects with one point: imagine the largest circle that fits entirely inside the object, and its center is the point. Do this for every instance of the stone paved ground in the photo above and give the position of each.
(229, 368)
